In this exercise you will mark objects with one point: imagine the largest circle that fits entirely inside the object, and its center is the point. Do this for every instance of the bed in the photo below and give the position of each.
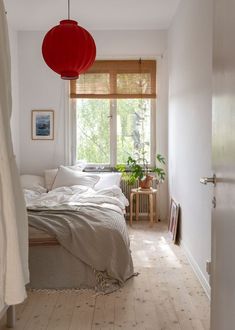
(77, 233)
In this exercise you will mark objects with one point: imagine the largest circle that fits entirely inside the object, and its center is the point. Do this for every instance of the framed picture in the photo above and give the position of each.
(42, 124)
(173, 219)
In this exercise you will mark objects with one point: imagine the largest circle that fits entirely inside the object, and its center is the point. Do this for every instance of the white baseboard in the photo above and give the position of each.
(202, 279)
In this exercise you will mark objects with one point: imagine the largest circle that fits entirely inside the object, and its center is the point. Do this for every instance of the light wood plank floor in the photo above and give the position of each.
(165, 296)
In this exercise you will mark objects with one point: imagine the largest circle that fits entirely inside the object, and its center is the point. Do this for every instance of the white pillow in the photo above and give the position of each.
(108, 180)
(76, 167)
(50, 175)
(67, 177)
(29, 181)
(81, 163)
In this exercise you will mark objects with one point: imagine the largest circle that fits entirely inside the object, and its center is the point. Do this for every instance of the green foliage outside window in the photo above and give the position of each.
(93, 132)
(93, 129)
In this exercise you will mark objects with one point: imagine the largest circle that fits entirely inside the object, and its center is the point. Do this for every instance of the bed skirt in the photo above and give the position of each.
(52, 267)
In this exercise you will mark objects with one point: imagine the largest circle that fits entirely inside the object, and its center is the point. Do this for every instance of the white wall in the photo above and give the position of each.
(130, 44)
(15, 94)
(41, 88)
(190, 97)
(162, 131)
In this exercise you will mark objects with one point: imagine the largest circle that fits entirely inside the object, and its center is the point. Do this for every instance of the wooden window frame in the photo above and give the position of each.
(114, 67)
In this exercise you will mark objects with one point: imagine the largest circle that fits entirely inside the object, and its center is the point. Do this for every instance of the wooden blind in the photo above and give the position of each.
(116, 80)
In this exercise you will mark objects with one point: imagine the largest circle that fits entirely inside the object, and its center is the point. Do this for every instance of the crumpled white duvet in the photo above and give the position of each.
(75, 196)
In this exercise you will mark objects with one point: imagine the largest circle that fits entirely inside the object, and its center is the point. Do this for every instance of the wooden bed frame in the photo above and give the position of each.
(43, 241)
(40, 238)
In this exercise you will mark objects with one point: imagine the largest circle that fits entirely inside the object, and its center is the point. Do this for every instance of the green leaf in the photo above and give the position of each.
(161, 159)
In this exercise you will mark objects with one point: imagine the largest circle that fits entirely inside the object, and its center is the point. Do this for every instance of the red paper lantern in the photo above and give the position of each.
(68, 49)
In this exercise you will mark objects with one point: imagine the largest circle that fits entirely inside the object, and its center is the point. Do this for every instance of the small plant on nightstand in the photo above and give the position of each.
(139, 169)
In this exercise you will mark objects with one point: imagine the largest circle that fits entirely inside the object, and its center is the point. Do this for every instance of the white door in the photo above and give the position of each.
(223, 146)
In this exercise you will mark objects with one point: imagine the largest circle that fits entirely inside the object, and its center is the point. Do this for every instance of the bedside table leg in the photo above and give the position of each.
(156, 208)
(151, 209)
(137, 207)
(131, 208)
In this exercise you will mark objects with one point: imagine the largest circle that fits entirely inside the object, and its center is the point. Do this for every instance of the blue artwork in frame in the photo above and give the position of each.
(42, 125)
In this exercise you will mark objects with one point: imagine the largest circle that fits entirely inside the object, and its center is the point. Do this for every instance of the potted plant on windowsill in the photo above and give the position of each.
(140, 170)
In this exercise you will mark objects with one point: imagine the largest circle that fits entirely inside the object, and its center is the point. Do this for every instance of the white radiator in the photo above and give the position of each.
(143, 200)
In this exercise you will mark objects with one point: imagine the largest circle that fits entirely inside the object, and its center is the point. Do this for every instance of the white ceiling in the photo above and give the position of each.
(92, 14)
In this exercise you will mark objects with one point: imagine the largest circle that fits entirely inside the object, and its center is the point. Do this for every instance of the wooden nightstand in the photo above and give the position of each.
(137, 192)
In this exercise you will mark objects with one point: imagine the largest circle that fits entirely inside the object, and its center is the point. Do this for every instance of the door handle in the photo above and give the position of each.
(208, 180)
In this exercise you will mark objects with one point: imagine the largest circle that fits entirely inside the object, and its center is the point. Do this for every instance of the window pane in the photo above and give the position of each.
(93, 83)
(93, 130)
(133, 129)
(134, 83)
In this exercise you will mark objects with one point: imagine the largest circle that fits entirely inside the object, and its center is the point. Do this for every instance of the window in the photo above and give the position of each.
(115, 112)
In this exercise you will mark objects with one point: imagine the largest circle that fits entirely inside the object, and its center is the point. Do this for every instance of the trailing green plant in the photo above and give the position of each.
(139, 169)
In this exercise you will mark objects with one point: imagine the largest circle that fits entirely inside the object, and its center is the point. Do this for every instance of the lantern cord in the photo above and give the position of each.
(68, 9)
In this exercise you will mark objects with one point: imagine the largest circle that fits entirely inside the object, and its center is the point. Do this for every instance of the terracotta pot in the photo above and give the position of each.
(146, 183)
